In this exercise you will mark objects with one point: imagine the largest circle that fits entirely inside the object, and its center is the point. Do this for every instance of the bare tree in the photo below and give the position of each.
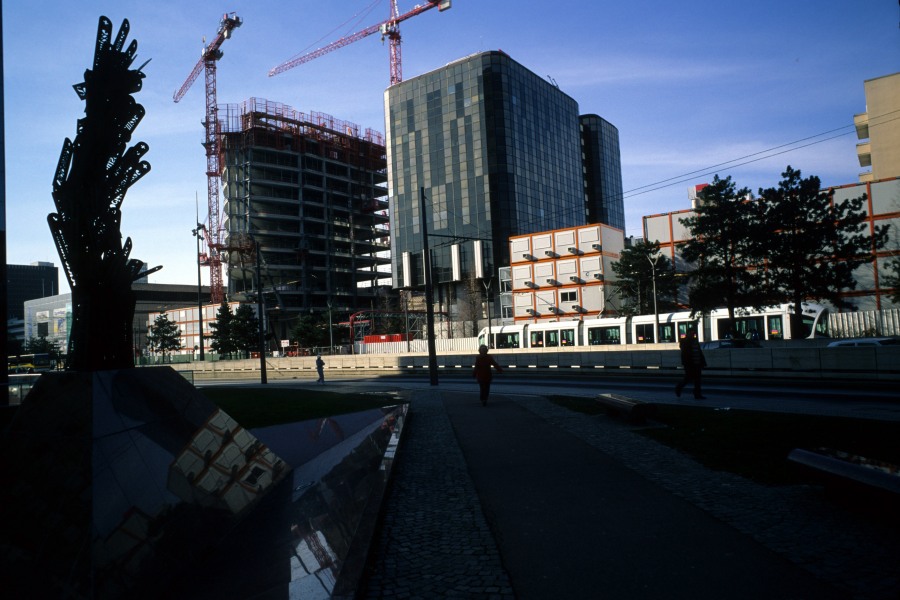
(471, 305)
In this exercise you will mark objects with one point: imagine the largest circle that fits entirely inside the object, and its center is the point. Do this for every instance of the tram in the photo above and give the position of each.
(770, 323)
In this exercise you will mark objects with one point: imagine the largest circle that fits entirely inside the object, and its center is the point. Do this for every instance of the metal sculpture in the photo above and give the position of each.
(92, 177)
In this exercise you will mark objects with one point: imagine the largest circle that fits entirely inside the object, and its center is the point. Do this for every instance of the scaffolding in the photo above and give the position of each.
(317, 206)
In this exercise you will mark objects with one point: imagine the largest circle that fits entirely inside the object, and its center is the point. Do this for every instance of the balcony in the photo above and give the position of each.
(861, 121)
(864, 154)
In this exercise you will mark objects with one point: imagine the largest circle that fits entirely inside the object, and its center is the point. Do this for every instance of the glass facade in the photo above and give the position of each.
(496, 149)
(603, 172)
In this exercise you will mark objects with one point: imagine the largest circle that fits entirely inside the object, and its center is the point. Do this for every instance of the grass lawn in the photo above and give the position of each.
(261, 407)
(756, 444)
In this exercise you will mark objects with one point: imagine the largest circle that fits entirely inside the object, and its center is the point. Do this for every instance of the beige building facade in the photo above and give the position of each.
(564, 274)
(878, 129)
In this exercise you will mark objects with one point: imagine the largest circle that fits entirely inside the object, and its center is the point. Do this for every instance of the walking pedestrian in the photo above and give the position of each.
(320, 369)
(693, 361)
(483, 373)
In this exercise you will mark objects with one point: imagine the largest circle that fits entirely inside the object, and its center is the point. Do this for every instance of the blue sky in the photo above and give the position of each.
(690, 85)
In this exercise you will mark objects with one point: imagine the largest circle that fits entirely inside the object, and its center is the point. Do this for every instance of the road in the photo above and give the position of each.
(857, 399)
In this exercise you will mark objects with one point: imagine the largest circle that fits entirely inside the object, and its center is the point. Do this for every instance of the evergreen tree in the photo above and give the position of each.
(244, 328)
(310, 330)
(163, 336)
(815, 244)
(41, 345)
(725, 247)
(221, 336)
(635, 272)
(891, 279)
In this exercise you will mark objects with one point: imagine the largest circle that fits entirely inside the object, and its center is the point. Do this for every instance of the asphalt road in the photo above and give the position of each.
(860, 399)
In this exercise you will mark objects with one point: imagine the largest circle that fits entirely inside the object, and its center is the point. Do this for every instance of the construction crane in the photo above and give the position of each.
(215, 235)
(389, 29)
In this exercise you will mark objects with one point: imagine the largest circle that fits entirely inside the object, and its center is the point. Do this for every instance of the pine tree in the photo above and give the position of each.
(891, 279)
(310, 331)
(815, 244)
(221, 336)
(245, 329)
(163, 336)
(725, 247)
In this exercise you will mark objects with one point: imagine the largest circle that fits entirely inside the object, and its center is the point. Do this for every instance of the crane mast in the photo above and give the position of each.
(214, 230)
(389, 29)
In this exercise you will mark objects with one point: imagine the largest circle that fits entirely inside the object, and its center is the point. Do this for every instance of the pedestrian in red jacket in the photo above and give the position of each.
(482, 372)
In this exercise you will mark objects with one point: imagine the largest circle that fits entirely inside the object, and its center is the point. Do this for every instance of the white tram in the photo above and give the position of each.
(770, 323)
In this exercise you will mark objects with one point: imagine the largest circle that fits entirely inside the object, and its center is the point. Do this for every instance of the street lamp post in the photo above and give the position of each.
(197, 234)
(429, 294)
(330, 332)
(259, 307)
(406, 316)
(486, 282)
(653, 262)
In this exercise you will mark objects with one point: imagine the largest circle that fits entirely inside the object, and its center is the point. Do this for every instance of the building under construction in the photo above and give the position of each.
(310, 192)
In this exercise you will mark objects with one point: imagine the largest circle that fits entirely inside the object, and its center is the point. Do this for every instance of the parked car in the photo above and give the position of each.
(870, 341)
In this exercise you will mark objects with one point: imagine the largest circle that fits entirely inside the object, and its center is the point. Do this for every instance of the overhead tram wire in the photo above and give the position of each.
(713, 169)
(769, 153)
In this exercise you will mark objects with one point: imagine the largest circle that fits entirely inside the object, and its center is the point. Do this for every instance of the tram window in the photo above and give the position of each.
(537, 339)
(567, 337)
(775, 328)
(822, 326)
(683, 329)
(744, 328)
(667, 333)
(603, 335)
(552, 339)
(643, 333)
(507, 340)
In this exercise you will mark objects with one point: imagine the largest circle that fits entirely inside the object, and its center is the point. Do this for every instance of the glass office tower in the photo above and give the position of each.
(603, 172)
(498, 152)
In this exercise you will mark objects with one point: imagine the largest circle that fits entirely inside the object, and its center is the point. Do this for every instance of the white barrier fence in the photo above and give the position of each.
(441, 345)
(871, 363)
(865, 323)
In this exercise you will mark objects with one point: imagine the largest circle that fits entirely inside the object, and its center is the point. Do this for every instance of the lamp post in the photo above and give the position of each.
(429, 294)
(259, 307)
(330, 332)
(486, 282)
(197, 234)
(653, 262)
(406, 294)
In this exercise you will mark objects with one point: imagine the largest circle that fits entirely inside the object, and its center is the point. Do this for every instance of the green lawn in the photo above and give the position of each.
(756, 444)
(260, 407)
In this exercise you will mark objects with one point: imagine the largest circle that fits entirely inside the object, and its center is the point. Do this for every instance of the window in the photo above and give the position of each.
(775, 328)
(604, 335)
(568, 296)
(507, 340)
(643, 333)
(537, 339)
(667, 333)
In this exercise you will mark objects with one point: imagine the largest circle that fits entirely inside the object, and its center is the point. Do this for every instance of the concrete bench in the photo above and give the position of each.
(839, 471)
(623, 406)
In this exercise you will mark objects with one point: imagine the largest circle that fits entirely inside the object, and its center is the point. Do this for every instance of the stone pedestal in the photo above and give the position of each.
(132, 484)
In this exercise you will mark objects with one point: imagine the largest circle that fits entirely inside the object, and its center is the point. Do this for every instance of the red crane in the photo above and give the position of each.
(215, 236)
(389, 29)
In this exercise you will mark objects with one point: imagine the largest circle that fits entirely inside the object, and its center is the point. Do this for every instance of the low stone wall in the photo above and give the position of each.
(875, 362)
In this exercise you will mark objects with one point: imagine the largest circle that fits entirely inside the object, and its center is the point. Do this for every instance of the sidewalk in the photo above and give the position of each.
(523, 499)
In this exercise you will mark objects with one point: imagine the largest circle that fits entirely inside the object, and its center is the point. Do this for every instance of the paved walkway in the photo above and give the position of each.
(524, 499)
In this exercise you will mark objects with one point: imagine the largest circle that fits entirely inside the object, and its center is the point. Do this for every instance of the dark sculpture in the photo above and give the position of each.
(91, 179)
